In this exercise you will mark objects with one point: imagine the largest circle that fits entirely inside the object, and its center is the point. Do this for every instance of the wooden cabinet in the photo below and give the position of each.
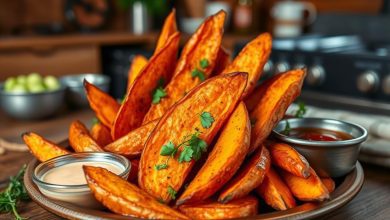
(50, 60)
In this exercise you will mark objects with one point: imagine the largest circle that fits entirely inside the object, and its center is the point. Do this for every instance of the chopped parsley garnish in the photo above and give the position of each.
(172, 192)
(203, 63)
(287, 129)
(95, 121)
(206, 119)
(161, 166)
(191, 149)
(159, 92)
(301, 110)
(168, 149)
(186, 154)
(198, 73)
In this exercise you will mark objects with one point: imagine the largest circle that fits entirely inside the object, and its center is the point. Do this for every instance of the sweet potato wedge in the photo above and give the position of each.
(41, 148)
(139, 96)
(279, 93)
(136, 66)
(182, 125)
(132, 144)
(139, 61)
(239, 208)
(124, 198)
(80, 139)
(223, 161)
(223, 61)
(203, 46)
(102, 104)
(328, 183)
(169, 28)
(252, 59)
(309, 189)
(275, 192)
(250, 176)
(287, 158)
(101, 134)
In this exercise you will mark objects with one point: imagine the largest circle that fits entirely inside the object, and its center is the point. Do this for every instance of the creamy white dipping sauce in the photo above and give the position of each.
(73, 174)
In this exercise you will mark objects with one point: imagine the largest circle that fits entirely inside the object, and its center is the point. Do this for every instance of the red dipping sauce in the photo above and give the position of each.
(318, 134)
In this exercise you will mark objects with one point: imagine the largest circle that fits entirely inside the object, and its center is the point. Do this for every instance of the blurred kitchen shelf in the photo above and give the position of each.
(75, 53)
(102, 39)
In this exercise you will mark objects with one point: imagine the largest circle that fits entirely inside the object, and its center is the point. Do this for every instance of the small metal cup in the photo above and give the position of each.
(77, 194)
(328, 158)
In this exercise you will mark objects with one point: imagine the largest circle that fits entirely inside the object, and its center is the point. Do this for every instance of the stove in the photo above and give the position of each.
(343, 71)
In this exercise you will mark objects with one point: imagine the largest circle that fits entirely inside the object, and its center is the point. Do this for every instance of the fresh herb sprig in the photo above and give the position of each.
(199, 72)
(159, 92)
(299, 113)
(191, 148)
(206, 119)
(14, 193)
(172, 192)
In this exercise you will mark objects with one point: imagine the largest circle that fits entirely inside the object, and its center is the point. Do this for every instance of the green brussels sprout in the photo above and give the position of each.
(22, 80)
(34, 78)
(51, 83)
(19, 88)
(36, 88)
(9, 84)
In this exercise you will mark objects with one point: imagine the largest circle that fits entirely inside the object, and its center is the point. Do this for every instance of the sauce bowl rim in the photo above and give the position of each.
(353, 141)
(75, 157)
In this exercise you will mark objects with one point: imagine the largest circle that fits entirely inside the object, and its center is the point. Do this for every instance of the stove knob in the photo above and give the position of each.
(268, 68)
(281, 67)
(368, 82)
(315, 75)
(386, 85)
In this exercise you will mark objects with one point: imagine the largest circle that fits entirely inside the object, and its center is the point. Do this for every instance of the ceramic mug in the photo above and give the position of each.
(289, 17)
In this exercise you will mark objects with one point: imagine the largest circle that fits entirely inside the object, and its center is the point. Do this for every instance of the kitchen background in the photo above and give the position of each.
(344, 44)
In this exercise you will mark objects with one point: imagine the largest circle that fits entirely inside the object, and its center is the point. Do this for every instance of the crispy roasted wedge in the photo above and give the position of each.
(132, 144)
(169, 28)
(139, 96)
(102, 104)
(287, 158)
(238, 208)
(190, 71)
(124, 198)
(279, 93)
(248, 177)
(223, 161)
(136, 66)
(309, 189)
(252, 59)
(41, 148)
(275, 192)
(80, 139)
(223, 61)
(328, 183)
(217, 97)
(139, 61)
(101, 134)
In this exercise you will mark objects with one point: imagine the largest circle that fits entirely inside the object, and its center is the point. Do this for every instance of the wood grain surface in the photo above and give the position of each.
(371, 203)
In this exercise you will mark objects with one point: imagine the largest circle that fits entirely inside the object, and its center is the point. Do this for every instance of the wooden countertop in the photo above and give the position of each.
(371, 203)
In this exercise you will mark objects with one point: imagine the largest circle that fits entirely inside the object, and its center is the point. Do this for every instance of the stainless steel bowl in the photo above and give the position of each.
(78, 194)
(75, 93)
(328, 158)
(31, 105)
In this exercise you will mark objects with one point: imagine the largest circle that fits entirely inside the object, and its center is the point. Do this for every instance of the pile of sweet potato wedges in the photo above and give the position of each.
(195, 129)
